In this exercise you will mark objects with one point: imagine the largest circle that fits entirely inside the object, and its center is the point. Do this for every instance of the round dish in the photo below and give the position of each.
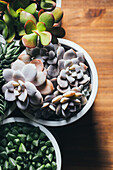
(43, 129)
(94, 82)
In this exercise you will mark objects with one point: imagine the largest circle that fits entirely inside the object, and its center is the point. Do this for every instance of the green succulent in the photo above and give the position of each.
(3, 105)
(8, 54)
(18, 15)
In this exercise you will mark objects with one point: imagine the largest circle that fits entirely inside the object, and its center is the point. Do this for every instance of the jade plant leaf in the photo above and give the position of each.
(21, 30)
(7, 19)
(11, 11)
(25, 16)
(3, 5)
(45, 38)
(57, 31)
(4, 29)
(11, 34)
(31, 8)
(19, 10)
(58, 14)
(41, 26)
(40, 12)
(36, 14)
(47, 5)
(29, 26)
(47, 18)
(30, 40)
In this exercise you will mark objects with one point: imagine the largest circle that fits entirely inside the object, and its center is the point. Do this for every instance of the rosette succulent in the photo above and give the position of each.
(26, 83)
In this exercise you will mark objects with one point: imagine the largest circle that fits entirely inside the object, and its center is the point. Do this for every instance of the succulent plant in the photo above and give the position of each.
(8, 54)
(3, 105)
(68, 71)
(23, 19)
(26, 83)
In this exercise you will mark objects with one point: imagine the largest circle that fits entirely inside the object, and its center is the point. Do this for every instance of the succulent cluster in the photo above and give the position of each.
(8, 54)
(26, 83)
(30, 20)
(25, 147)
(3, 105)
(69, 73)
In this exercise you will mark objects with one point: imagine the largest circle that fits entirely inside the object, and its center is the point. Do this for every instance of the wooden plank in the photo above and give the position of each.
(88, 143)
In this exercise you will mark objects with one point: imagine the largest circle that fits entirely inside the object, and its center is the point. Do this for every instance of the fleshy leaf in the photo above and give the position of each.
(29, 26)
(4, 29)
(30, 40)
(47, 18)
(40, 12)
(3, 5)
(36, 15)
(45, 38)
(58, 14)
(7, 19)
(11, 11)
(41, 26)
(25, 16)
(31, 8)
(58, 32)
(11, 34)
(47, 5)
(21, 30)
(19, 10)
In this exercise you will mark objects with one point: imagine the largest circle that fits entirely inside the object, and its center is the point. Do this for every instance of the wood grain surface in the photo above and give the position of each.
(88, 143)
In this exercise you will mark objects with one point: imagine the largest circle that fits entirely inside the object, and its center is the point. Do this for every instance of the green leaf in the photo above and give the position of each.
(4, 29)
(47, 18)
(36, 14)
(30, 40)
(57, 31)
(45, 38)
(11, 34)
(3, 5)
(19, 10)
(7, 19)
(58, 14)
(29, 26)
(12, 162)
(22, 148)
(31, 8)
(25, 16)
(47, 5)
(11, 11)
(41, 26)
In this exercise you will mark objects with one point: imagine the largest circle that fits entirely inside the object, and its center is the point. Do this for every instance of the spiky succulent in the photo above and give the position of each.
(3, 105)
(8, 54)
(20, 19)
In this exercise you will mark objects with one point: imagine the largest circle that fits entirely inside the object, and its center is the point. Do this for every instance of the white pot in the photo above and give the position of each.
(94, 82)
(58, 3)
(43, 129)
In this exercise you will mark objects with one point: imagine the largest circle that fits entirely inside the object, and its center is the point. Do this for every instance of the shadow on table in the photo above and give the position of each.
(79, 144)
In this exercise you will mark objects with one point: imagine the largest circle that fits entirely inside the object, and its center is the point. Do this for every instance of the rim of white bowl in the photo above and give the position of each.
(58, 3)
(43, 129)
(94, 81)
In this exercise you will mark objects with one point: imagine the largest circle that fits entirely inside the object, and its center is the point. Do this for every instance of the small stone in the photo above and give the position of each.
(69, 94)
(62, 83)
(68, 55)
(60, 52)
(64, 100)
(67, 63)
(52, 61)
(64, 106)
(51, 55)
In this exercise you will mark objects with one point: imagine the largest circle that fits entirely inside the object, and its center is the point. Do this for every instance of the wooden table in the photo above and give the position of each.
(88, 143)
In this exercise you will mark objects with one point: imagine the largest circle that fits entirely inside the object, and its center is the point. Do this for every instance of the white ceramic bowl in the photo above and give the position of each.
(94, 82)
(43, 129)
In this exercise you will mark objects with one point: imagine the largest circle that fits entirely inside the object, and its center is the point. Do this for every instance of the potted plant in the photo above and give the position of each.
(54, 81)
